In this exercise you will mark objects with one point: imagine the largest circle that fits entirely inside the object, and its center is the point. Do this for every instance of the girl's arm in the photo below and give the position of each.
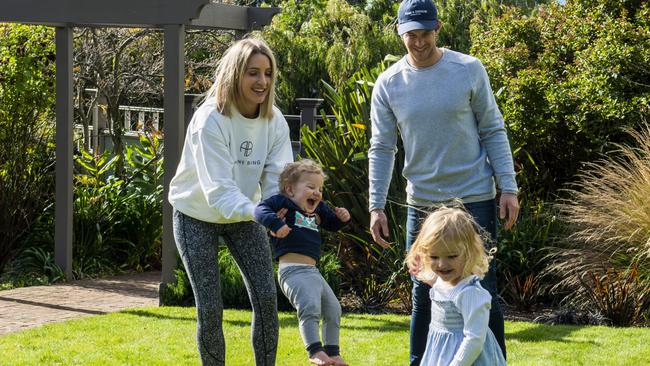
(474, 304)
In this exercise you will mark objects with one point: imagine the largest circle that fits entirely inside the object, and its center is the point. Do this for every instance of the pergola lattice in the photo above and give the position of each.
(173, 17)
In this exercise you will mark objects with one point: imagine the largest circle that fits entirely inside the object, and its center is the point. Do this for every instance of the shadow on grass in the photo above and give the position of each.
(378, 325)
(536, 332)
(150, 314)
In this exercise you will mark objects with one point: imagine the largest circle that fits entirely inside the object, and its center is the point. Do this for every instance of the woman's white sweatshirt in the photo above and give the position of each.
(228, 164)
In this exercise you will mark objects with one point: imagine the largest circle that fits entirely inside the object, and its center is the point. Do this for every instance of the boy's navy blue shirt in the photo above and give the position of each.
(304, 237)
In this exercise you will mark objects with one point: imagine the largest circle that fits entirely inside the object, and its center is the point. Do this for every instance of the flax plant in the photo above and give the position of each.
(609, 213)
(375, 276)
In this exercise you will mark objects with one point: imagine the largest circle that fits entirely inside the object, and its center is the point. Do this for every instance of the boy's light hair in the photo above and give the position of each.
(294, 171)
(230, 71)
(455, 230)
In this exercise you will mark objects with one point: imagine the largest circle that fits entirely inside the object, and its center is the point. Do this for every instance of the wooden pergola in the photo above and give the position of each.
(173, 17)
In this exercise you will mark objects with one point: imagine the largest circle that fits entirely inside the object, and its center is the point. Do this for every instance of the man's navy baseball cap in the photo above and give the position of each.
(416, 14)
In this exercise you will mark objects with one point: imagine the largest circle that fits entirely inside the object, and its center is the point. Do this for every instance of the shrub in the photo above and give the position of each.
(521, 254)
(621, 298)
(567, 76)
(609, 213)
(117, 223)
(233, 290)
(26, 152)
(456, 16)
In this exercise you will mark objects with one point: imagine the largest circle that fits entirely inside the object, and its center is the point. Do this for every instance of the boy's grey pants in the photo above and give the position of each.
(310, 294)
(248, 243)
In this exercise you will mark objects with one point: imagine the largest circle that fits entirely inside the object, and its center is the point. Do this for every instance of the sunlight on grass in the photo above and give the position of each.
(166, 336)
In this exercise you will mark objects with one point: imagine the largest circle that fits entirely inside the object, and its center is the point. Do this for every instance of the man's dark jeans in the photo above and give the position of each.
(485, 214)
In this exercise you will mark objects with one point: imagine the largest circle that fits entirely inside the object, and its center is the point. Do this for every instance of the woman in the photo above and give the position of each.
(235, 148)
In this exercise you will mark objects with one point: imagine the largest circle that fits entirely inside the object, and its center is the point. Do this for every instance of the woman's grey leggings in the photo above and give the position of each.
(248, 243)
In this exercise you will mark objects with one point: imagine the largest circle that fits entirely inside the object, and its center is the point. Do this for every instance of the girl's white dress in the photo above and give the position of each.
(459, 333)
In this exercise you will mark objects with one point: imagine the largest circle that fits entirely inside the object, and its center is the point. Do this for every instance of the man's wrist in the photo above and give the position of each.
(378, 209)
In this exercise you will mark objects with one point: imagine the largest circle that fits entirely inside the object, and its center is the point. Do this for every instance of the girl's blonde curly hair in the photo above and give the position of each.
(455, 230)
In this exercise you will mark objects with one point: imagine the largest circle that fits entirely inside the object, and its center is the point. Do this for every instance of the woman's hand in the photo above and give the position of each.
(282, 232)
(282, 213)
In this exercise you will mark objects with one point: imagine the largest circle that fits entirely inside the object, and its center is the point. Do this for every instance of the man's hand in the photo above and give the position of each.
(342, 214)
(508, 209)
(282, 232)
(379, 227)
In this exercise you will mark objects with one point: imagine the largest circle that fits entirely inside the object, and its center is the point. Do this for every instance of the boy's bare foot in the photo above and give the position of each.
(321, 358)
(338, 361)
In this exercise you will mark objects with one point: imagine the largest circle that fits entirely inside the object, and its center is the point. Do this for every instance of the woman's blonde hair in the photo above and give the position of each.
(230, 71)
(294, 171)
(455, 230)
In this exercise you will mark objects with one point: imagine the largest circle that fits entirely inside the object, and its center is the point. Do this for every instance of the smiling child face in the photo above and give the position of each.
(447, 264)
(307, 192)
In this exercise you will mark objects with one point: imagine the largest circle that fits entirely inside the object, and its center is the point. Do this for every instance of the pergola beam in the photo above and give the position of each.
(135, 14)
(121, 13)
(233, 17)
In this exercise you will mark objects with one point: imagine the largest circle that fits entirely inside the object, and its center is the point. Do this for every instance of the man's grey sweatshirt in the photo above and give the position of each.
(453, 133)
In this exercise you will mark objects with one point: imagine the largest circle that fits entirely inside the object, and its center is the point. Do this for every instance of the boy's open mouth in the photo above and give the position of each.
(311, 202)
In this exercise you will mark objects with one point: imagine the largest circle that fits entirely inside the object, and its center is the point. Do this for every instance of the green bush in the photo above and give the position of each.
(233, 290)
(456, 16)
(26, 131)
(568, 78)
(521, 255)
(117, 222)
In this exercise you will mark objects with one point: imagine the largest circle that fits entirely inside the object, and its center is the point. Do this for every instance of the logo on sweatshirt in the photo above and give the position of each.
(306, 221)
(246, 147)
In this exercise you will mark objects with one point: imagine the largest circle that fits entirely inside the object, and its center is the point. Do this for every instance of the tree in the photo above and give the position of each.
(324, 40)
(122, 64)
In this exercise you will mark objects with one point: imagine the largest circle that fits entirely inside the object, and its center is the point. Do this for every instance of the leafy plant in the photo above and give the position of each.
(521, 254)
(376, 276)
(179, 292)
(141, 224)
(620, 297)
(456, 16)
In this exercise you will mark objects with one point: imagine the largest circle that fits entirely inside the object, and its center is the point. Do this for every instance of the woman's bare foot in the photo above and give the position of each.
(320, 358)
(338, 361)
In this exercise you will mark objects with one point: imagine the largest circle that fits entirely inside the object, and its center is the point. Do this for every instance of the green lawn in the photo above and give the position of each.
(166, 336)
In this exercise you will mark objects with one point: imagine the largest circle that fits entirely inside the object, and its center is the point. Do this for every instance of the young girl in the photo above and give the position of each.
(297, 244)
(235, 148)
(448, 254)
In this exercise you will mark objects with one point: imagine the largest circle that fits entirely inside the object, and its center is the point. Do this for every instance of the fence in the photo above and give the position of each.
(138, 119)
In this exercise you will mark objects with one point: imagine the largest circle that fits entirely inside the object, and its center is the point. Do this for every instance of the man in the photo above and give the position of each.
(455, 146)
